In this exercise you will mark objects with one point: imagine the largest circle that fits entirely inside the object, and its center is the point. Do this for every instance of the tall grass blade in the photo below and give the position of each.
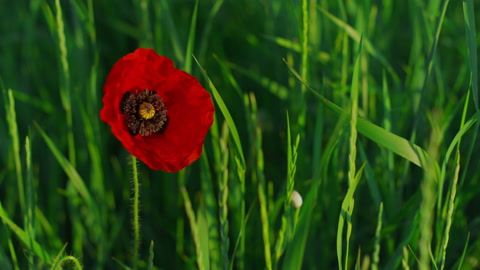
(65, 85)
(223, 194)
(370, 177)
(296, 250)
(427, 205)
(378, 238)
(273, 86)
(261, 182)
(211, 212)
(352, 155)
(121, 264)
(34, 102)
(443, 225)
(322, 57)
(72, 174)
(284, 237)
(193, 227)
(471, 35)
(238, 196)
(226, 114)
(24, 237)
(355, 35)
(204, 236)
(449, 217)
(456, 141)
(387, 122)
(191, 40)
(240, 239)
(30, 195)
(13, 255)
(428, 71)
(208, 28)
(405, 264)
(225, 67)
(11, 118)
(347, 209)
(395, 143)
(345, 217)
(464, 253)
(143, 10)
(164, 12)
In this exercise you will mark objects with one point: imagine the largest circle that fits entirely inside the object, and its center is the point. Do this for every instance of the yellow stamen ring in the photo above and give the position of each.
(146, 110)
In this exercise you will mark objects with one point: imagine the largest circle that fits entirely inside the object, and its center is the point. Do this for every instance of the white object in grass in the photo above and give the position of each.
(296, 200)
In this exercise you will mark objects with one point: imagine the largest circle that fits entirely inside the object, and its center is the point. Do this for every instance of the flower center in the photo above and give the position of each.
(145, 112)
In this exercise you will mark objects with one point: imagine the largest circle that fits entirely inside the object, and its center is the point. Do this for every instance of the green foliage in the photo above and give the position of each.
(368, 109)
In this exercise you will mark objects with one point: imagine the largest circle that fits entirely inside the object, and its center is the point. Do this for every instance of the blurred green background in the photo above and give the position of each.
(417, 77)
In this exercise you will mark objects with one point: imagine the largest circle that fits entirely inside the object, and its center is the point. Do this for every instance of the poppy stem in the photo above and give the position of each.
(135, 212)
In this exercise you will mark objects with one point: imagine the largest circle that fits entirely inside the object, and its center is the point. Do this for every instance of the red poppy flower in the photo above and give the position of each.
(159, 113)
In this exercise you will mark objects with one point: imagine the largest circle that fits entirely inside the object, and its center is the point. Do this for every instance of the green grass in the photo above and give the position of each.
(369, 109)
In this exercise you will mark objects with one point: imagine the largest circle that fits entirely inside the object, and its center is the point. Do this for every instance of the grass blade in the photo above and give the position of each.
(296, 250)
(378, 237)
(193, 227)
(370, 177)
(25, 237)
(146, 39)
(65, 87)
(449, 218)
(462, 258)
(426, 211)
(395, 143)
(291, 170)
(211, 212)
(30, 195)
(348, 204)
(223, 194)
(68, 168)
(346, 215)
(163, 12)
(280, 91)
(355, 35)
(322, 57)
(456, 140)
(191, 40)
(305, 31)
(387, 122)
(226, 114)
(13, 255)
(352, 155)
(259, 179)
(208, 28)
(471, 34)
(204, 235)
(76, 180)
(13, 130)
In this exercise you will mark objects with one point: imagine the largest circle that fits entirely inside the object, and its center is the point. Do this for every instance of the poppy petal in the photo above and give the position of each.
(189, 110)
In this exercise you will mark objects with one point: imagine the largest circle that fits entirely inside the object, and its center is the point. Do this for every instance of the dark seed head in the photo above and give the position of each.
(145, 112)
